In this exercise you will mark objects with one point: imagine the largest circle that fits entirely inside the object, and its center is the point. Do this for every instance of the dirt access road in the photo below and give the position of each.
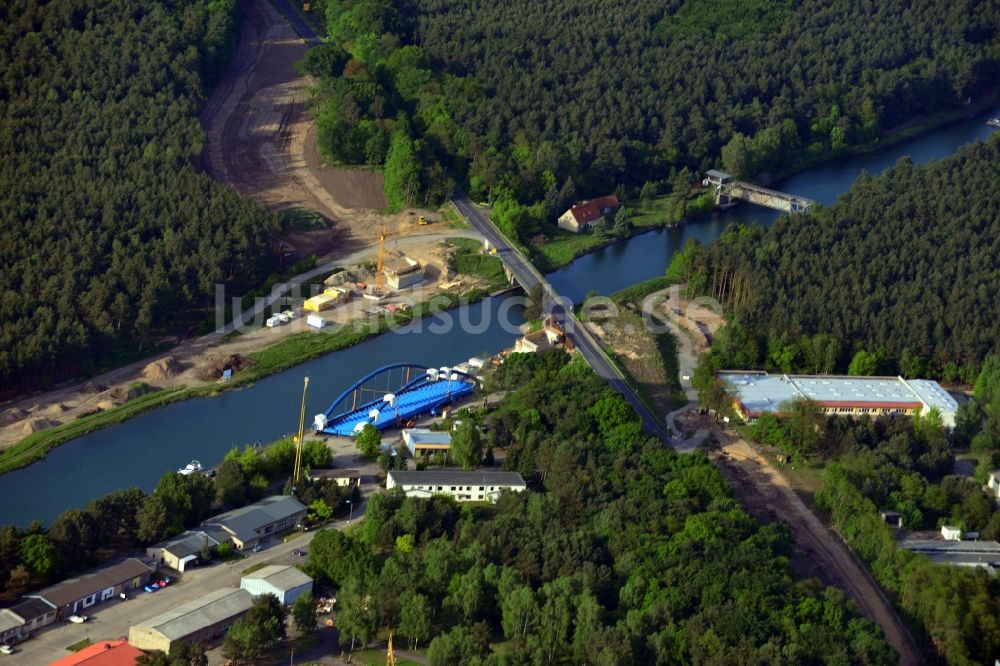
(260, 138)
(767, 496)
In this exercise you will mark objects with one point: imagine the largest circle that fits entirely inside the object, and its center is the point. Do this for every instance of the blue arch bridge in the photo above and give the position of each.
(392, 396)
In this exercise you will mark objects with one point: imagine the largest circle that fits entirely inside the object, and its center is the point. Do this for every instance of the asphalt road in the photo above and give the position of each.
(561, 309)
(301, 27)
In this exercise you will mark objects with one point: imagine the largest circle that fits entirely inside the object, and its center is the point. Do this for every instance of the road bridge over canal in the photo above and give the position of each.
(561, 310)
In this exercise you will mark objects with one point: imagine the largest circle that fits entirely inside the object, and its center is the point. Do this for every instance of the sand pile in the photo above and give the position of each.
(37, 424)
(161, 369)
(121, 394)
(12, 415)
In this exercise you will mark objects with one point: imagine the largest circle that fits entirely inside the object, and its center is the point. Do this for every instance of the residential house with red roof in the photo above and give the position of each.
(582, 215)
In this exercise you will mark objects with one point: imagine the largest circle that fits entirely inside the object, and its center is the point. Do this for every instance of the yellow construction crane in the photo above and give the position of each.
(298, 440)
(390, 656)
(379, 275)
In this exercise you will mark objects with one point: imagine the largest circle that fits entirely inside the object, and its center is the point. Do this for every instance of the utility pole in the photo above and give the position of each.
(298, 442)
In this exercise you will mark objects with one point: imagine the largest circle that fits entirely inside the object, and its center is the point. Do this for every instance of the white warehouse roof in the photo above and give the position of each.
(760, 392)
(285, 578)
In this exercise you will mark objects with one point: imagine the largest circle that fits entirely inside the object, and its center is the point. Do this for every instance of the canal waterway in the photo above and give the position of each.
(647, 255)
(138, 451)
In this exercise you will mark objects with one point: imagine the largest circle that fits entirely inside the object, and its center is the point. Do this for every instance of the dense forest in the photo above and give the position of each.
(108, 230)
(899, 276)
(621, 552)
(906, 465)
(526, 96)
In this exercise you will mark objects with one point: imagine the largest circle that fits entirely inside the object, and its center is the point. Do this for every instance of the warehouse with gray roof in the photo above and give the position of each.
(247, 526)
(197, 621)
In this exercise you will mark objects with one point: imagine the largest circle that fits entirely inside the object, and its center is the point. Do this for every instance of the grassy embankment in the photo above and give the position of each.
(466, 260)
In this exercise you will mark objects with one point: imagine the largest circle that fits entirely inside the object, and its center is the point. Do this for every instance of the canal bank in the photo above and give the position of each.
(138, 451)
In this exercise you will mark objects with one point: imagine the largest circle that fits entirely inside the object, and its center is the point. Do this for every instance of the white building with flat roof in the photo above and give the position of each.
(757, 393)
(482, 486)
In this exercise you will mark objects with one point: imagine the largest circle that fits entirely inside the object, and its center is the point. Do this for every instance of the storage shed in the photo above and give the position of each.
(285, 582)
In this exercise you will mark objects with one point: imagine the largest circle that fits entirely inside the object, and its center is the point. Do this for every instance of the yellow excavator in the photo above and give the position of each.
(421, 221)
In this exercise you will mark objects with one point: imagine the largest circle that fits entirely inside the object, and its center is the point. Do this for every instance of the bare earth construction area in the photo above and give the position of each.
(261, 140)
(767, 496)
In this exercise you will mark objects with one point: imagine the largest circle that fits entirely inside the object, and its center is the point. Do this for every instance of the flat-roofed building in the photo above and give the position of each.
(247, 526)
(477, 486)
(285, 582)
(985, 554)
(424, 440)
(196, 621)
(402, 273)
(757, 393)
(75, 594)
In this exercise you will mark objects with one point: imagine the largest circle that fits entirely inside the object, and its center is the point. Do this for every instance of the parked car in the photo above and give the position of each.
(151, 588)
(257, 548)
(6, 649)
(77, 619)
(299, 553)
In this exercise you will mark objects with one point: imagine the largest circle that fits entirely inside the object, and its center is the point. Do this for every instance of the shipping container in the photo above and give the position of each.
(320, 303)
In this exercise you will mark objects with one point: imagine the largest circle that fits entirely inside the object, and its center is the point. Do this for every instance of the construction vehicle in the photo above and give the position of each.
(421, 221)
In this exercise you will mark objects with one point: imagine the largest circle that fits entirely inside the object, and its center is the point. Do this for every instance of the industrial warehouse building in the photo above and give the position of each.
(424, 440)
(249, 525)
(484, 486)
(75, 594)
(182, 551)
(983, 554)
(757, 393)
(29, 613)
(197, 621)
(285, 582)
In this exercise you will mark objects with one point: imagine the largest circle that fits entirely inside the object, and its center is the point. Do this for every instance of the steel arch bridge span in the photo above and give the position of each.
(391, 396)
